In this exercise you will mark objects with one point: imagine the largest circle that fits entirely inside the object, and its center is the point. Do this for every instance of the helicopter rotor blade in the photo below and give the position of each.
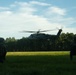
(59, 28)
(29, 31)
(47, 30)
(37, 31)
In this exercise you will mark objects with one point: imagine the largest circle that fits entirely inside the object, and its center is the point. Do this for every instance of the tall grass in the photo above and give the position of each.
(38, 63)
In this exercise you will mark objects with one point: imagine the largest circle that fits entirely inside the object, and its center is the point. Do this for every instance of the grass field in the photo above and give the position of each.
(38, 63)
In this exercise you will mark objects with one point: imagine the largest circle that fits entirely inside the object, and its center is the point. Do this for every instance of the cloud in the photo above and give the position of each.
(39, 3)
(4, 8)
(56, 10)
(25, 16)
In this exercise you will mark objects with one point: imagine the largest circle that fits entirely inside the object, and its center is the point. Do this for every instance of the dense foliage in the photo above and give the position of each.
(24, 44)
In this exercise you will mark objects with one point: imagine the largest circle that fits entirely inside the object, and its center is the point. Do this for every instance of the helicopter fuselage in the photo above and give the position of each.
(41, 36)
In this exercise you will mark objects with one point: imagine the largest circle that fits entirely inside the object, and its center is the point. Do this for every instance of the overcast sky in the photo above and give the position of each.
(19, 15)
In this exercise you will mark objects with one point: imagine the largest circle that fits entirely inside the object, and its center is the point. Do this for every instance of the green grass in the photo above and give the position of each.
(38, 63)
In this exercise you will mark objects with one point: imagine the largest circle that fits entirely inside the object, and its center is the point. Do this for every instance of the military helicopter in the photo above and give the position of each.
(40, 35)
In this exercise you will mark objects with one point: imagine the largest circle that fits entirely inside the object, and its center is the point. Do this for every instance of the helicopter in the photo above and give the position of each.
(40, 35)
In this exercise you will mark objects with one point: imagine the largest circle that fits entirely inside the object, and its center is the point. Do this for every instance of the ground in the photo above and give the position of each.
(38, 63)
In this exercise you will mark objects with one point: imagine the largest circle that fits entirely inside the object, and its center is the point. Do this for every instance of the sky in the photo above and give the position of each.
(20, 15)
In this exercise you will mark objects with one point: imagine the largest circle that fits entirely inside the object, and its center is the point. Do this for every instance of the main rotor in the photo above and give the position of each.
(37, 32)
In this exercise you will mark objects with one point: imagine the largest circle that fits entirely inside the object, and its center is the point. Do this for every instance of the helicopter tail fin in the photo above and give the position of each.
(59, 32)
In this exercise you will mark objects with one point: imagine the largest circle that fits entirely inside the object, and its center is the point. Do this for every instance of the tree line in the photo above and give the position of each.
(63, 43)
